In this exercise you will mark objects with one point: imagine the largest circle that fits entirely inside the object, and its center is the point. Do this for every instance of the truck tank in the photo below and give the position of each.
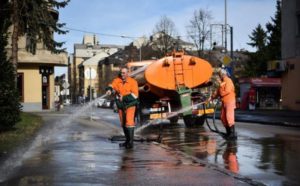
(172, 72)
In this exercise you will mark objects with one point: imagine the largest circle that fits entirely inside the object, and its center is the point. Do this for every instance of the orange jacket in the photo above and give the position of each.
(226, 90)
(123, 89)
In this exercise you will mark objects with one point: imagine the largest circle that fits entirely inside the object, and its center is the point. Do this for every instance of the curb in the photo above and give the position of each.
(276, 123)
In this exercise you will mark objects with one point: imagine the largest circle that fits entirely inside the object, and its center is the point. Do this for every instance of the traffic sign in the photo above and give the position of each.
(66, 85)
(90, 73)
(65, 92)
(226, 60)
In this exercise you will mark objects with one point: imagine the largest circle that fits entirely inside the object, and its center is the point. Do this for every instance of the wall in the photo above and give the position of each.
(290, 85)
(291, 54)
(33, 88)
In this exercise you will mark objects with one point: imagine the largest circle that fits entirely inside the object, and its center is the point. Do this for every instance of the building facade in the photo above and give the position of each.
(84, 67)
(35, 78)
(291, 54)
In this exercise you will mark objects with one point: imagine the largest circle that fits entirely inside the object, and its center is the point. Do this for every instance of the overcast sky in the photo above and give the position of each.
(138, 18)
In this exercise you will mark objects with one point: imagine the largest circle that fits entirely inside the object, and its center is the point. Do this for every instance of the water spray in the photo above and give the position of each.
(16, 158)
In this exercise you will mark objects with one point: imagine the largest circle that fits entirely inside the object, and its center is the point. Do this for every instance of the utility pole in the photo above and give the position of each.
(90, 84)
(231, 42)
(225, 26)
(140, 53)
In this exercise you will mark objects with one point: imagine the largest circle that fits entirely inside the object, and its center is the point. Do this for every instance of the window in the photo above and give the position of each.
(20, 86)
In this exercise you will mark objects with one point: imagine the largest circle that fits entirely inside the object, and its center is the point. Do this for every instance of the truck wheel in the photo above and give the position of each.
(173, 120)
(194, 121)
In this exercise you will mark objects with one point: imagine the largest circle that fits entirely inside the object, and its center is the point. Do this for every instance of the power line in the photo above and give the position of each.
(111, 35)
(102, 34)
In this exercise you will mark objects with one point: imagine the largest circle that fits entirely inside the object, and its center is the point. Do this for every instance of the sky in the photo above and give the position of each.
(136, 18)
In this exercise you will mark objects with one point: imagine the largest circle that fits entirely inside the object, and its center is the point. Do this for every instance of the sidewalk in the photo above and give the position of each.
(268, 117)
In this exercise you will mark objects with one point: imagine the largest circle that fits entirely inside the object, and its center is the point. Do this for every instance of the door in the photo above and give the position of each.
(45, 92)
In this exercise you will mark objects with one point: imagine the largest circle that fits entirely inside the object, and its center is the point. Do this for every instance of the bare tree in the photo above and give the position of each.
(163, 35)
(198, 29)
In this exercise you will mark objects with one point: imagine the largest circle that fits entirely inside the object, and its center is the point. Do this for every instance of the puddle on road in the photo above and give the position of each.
(273, 160)
(279, 156)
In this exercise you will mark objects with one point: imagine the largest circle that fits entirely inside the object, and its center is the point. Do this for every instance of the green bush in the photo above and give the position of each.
(9, 98)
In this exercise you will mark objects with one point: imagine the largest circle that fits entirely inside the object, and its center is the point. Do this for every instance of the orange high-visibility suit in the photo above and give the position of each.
(227, 94)
(129, 87)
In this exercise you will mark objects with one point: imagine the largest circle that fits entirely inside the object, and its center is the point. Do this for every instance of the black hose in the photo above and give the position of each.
(216, 130)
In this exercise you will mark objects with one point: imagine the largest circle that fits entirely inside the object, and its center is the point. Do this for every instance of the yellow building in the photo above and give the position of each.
(36, 75)
(290, 45)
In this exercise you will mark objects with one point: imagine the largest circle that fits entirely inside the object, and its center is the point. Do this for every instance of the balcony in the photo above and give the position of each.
(42, 57)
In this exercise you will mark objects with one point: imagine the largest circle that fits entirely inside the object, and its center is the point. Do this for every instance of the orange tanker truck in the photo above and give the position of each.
(172, 88)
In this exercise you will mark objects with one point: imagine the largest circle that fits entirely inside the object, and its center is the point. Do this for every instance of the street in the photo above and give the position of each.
(265, 153)
(80, 153)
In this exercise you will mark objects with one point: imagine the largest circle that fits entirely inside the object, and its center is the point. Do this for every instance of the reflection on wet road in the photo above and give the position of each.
(271, 157)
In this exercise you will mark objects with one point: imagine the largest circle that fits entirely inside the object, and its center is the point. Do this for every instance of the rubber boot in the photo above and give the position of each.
(227, 131)
(232, 134)
(126, 138)
(225, 134)
(131, 136)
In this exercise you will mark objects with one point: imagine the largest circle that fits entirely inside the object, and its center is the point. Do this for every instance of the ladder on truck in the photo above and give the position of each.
(178, 69)
(183, 91)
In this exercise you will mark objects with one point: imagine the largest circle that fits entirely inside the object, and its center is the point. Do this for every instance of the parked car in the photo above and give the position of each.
(99, 102)
(104, 103)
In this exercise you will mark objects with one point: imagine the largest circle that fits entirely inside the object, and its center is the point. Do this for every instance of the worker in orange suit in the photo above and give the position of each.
(126, 94)
(226, 91)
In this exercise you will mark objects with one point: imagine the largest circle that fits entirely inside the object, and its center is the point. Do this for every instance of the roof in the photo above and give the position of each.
(98, 57)
(262, 82)
(84, 46)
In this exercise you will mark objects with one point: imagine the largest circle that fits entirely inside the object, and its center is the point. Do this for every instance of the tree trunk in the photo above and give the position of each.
(14, 38)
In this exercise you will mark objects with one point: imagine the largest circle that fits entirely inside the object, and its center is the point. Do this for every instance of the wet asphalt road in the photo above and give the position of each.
(80, 153)
(265, 153)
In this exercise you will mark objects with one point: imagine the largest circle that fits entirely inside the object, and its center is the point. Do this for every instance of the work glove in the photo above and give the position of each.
(108, 90)
(108, 93)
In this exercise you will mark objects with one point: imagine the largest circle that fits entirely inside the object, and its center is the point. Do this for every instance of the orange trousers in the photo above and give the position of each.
(129, 120)
(227, 114)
